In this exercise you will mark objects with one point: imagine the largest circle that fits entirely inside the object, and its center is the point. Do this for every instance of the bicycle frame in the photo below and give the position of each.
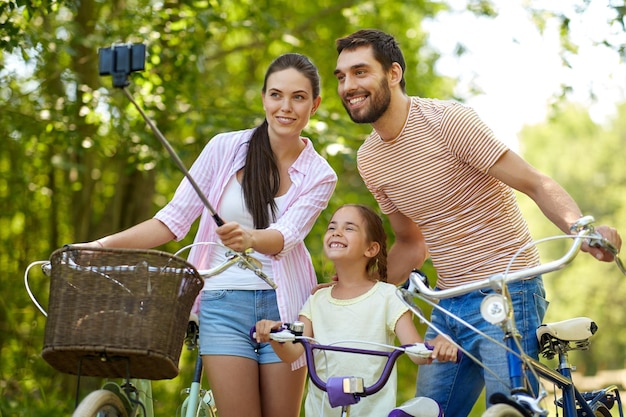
(573, 402)
(243, 260)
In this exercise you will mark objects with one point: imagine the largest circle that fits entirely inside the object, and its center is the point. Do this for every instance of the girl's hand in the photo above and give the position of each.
(264, 328)
(443, 349)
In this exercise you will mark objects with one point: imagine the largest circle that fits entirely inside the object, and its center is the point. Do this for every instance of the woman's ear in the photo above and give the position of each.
(316, 104)
(263, 100)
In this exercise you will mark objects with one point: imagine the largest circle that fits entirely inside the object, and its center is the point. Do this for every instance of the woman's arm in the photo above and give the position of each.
(298, 220)
(266, 241)
(289, 229)
(148, 234)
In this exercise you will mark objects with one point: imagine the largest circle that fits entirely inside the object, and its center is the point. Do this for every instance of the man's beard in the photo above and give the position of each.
(378, 105)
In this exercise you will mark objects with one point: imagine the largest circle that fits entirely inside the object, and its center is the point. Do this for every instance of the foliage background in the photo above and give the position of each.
(78, 162)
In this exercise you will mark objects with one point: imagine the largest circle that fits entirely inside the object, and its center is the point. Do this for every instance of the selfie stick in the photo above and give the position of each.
(177, 160)
(119, 61)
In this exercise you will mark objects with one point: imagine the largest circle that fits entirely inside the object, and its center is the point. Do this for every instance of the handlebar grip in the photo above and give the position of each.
(459, 354)
(280, 335)
(191, 336)
(598, 241)
(420, 350)
(409, 286)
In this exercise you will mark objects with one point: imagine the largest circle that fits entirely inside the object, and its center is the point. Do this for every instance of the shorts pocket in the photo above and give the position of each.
(541, 306)
(212, 295)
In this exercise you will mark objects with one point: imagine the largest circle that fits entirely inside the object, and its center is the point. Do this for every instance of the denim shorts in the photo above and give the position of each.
(226, 317)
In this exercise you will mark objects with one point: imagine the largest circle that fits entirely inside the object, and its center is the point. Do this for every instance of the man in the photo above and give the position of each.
(447, 186)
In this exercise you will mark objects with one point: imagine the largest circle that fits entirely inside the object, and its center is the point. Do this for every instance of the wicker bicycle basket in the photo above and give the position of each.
(118, 312)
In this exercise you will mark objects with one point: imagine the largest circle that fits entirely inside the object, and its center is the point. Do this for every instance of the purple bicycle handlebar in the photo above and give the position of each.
(309, 347)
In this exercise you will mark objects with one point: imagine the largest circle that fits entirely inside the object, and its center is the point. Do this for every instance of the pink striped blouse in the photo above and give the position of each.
(314, 181)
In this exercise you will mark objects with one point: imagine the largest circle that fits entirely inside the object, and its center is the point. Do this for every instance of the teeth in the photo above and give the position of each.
(337, 245)
(356, 100)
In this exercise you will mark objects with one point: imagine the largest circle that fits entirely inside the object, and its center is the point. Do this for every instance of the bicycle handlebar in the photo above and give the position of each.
(242, 259)
(584, 232)
(292, 332)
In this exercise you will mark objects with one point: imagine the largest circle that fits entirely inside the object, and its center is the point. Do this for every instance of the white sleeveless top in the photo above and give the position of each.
(236, 278)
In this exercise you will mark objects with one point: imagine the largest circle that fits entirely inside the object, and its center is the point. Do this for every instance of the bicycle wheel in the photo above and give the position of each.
(101, 403)
(502, 410)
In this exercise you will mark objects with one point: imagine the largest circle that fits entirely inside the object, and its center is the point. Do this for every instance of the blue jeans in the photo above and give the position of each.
(457, 386)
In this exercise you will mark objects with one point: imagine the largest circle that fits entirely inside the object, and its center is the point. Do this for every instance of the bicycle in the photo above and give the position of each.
(97, 295)
(556, 339)
(346, 391)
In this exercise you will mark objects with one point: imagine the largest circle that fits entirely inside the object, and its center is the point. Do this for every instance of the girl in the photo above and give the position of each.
(361, 306)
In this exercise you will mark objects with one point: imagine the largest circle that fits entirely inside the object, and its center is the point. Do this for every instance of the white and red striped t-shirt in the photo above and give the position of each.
(436, 173)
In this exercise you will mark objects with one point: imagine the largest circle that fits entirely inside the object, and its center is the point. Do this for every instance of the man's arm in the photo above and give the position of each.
(555, 203)
(408, 251)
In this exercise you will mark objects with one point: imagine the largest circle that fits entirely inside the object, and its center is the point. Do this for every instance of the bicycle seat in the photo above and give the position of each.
(572, 330)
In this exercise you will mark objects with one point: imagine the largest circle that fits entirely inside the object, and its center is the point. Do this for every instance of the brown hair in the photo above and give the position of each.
(261, 179)
(384, 47)
(375, 233)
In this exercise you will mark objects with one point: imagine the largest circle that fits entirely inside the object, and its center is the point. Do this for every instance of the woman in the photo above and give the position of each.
(269, 185)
